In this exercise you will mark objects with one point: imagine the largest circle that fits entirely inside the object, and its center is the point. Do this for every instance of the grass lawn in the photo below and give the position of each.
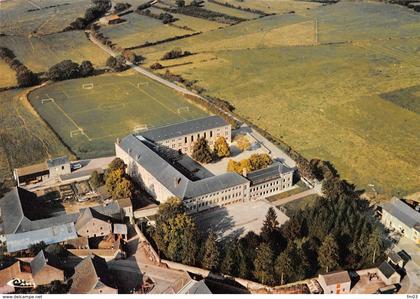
(24, 138)
(8, 76)
(230, 11)
(40, 53)
(139, 29)
(355, 103)
(90, 120)
(299, 204)
(15, 19)
(299, 187)
(277, 6)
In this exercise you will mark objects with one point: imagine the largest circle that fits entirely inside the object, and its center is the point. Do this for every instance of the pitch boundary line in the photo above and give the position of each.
(72, 121)
(164, 105)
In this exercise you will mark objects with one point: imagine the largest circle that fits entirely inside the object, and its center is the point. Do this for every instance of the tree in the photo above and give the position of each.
(263, 264)
(221, 148)
(243, 143)
(231, 260)
(35, 248)
(116, 63)
(201, 151)
(211, 258)
(270, 225)
(328, 254)
(121, 6)
(260, 161)
(117, 163)
(86, 68)
(375, 244)
(26, 78)
(96, 180)
(118, 184)
(64, 70)
(180, 3)
(156, 66)
(285, 263)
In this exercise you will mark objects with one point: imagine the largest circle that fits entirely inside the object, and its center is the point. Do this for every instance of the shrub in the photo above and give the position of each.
(175, 53)
(26, 78)
(243, 143)
(121, 6)
(64, 70)
(221, 148)
(86, 68)
(201, 151)
(156, 66)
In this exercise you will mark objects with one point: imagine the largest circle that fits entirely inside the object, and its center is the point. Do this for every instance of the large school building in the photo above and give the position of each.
(147, 162)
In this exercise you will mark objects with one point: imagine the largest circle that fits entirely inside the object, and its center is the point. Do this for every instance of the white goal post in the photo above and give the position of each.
(142, 84)
(76, 133)
(87, 86)
(183, 109)
(47, 100)
(139, 128)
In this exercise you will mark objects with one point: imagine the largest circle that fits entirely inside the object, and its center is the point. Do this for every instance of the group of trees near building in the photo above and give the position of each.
(203, 154)
(337, 232)
(117, 181)
(254, 162)
(97, 10)
(68, 69)
(24, 76)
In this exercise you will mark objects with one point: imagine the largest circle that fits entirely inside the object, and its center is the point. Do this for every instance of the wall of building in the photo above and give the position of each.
(60, 170)
(392, 222)
(271, 187)
(95, 228)
(185, 143)
(143, 177)
(393, 279)
(221, 198)
(338, 288)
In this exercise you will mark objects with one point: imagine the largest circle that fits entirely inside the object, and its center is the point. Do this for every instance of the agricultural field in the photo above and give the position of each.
(230, 11)
(196, 24)
(276, 6)
(21, 17)
(89, 114)
(40, 53)
(339, 82)
(8, 76)
(139, 29)
(24, 137)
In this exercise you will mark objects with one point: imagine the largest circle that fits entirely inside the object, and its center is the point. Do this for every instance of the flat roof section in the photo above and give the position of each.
(32, 169)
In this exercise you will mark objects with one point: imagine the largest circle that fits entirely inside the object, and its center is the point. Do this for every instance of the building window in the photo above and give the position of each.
(198, 136)
(211, 134)
(185, 139)
(192, 138)
(205, 134)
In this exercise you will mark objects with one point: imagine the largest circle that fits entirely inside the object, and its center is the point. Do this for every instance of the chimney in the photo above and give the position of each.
(244, 172)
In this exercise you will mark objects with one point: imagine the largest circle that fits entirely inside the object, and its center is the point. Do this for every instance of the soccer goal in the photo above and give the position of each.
(140, 84)
(47, 100)
(183, 110)
(87, 86)
(139, 128)
(77, 132)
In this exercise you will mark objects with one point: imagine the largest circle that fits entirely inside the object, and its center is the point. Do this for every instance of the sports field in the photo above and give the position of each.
(90, 114)
(338, 82)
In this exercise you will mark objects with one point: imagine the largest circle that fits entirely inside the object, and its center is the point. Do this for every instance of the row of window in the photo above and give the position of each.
(214, 201)
(269, 191)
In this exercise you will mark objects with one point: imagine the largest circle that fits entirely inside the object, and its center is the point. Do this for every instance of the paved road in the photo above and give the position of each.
(411, 283)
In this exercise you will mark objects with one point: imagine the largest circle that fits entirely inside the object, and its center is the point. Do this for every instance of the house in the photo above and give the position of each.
(388, 274)
(395, 259)
(182, 136)
(46, 268)
(93, 224)
(126, 207)
(31, 174)
(336, 282)
(58, 166)
(91, 276)
(77, 243)
(148, 162)
(401, 217)
(195, 287)
(18, 270)
(120, 230)
(109, 20)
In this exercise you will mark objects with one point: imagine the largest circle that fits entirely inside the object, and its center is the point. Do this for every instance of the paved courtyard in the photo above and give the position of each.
(237, 219)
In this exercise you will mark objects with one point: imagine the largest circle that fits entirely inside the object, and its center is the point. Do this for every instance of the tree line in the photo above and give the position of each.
(337, 232)
(97, 10)
(24, 76)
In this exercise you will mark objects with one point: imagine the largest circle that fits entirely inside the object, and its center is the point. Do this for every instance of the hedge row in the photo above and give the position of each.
(199, 12)
(149, 44)
(251, 10)
(24, 76)
(99, 8)
(165, 17)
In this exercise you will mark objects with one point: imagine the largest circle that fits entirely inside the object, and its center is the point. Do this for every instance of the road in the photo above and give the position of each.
(411, 283)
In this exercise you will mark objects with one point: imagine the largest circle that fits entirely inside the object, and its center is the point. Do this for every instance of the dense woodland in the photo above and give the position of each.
(339, 231)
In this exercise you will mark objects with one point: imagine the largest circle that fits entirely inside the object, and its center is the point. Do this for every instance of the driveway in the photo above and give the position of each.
(411, 283)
